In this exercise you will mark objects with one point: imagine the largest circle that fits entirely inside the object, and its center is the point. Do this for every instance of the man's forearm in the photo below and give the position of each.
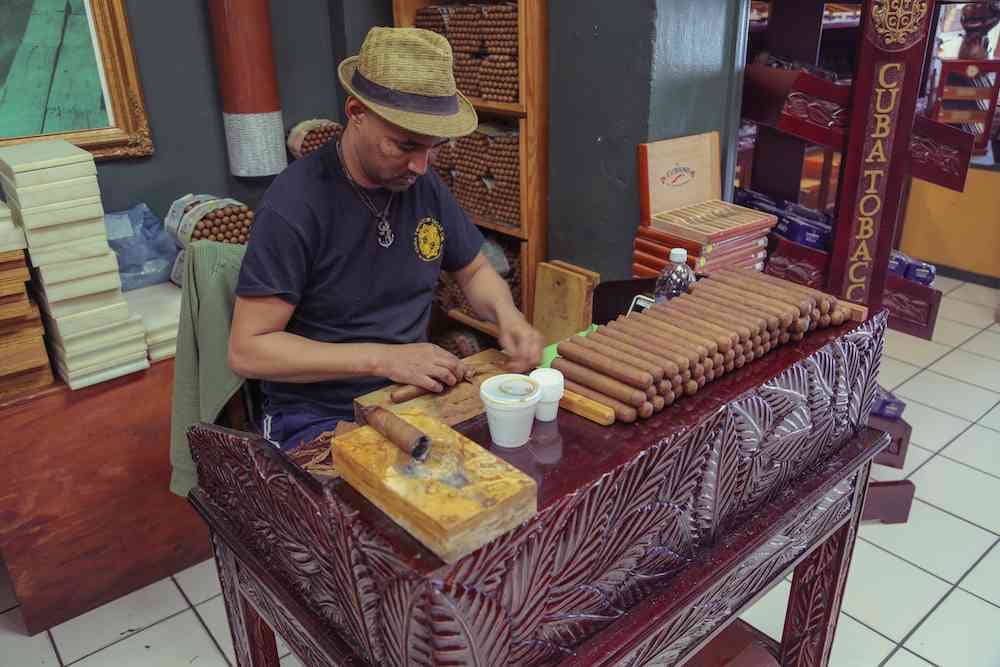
(490, 296)
(285, 357)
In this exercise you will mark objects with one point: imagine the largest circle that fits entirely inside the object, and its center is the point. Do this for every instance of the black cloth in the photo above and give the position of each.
(314, 244)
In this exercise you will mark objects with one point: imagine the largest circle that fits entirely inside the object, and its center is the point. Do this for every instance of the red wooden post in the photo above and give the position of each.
(887, 80)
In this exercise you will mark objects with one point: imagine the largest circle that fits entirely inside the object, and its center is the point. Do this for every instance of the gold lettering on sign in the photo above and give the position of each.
(870, 200)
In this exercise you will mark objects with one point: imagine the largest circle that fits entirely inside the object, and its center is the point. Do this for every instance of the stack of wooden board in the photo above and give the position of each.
(24, 366)
(681, 207)
(51, 188)
(11, 234)
(159, 306)
(641, 363)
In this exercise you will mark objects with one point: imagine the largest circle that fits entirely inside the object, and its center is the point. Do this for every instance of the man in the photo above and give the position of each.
(335, 290)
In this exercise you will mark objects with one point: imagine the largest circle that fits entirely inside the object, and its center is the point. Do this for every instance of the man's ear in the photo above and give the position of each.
(354, 110)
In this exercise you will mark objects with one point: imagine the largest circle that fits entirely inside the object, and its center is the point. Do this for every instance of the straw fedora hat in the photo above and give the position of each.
(405, 76)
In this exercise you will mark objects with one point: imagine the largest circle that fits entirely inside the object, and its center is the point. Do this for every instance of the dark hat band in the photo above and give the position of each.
(438, 105)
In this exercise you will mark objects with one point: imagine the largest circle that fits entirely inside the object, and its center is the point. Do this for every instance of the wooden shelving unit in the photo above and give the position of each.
(531, 113)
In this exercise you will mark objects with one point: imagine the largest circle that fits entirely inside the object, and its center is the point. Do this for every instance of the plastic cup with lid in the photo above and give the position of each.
(510, 402)
(552, 385)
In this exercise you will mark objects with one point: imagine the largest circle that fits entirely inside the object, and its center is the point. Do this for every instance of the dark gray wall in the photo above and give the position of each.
(622, 74)
(600, 79)
(350, 22)
(177, 70)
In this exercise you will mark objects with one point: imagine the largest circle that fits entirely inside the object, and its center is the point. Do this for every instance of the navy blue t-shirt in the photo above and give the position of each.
(314, 244)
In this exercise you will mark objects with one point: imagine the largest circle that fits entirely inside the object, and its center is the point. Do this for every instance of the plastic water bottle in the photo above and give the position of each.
(676, 278)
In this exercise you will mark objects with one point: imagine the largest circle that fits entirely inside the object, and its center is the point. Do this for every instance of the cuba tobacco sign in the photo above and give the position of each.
(882, 121)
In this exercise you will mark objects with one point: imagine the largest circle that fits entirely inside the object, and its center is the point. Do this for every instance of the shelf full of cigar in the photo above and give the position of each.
(641, 363)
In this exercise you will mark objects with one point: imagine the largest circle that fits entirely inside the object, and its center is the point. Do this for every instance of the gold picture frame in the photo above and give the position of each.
(128, 134)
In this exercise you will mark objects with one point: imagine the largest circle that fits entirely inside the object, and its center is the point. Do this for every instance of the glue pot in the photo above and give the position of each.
(510, 402)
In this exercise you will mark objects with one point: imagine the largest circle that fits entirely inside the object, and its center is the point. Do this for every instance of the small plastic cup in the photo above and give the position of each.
(552, 385)
(510, 402)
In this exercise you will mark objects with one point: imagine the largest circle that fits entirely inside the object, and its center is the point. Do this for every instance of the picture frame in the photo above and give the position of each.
(127, 132)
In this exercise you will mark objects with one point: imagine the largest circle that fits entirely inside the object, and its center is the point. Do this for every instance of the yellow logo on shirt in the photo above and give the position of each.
(429, 239)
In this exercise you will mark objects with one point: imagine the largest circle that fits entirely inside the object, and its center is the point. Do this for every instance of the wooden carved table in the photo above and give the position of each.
(649, 539)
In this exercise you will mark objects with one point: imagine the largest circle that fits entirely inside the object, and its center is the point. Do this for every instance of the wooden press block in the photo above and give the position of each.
(43, 237)
(455, 502)
(163, 351)
(159, 306)
(81, 268)
(22, 158)
(563, 302)
(59, 213)
(99, 357)
(73, 289)
(54, 174)
(125, 368)
(69, 251)
(97, 337)
(452, 407)
(87, 320)
(50, 193)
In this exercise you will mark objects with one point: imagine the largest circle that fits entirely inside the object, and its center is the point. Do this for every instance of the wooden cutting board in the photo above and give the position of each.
(452, 407)
(456, 501)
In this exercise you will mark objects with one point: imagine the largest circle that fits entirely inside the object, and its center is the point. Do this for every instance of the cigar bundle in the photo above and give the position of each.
(641, 363)
(229, 224)
(486, 174)
(484, 42)
(311, 135)
(320, 136)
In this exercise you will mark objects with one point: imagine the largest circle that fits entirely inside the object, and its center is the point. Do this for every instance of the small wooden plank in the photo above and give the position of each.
(587, 408)
(563, 302)
(455, 502)
(23, 96)
(452, 407)
(593, 276)
(25, 382)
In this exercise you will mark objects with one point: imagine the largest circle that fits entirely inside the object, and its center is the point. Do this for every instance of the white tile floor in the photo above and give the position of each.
(919, 594)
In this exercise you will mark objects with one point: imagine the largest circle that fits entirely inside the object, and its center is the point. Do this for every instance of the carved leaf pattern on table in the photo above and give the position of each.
(808, 605)
(405, 627)
(676, 637)
(470, 629)
(580, 563)
(484, 569)
(285, 623)
(823, 389)
(527, 582)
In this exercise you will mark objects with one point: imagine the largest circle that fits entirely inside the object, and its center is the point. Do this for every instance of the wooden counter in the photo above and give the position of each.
(649, 538)
(86, 514)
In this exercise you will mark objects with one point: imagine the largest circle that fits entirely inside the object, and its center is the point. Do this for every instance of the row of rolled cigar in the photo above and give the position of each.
(641, 363)
(488, 77)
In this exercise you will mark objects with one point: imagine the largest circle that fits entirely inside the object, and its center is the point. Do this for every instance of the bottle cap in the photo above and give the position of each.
(678, 255)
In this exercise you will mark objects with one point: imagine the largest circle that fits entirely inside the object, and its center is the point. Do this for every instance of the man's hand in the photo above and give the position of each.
(522, 342)
(421, 364)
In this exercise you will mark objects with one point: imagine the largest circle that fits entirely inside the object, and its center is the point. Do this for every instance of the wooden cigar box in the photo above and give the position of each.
(680, 192)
